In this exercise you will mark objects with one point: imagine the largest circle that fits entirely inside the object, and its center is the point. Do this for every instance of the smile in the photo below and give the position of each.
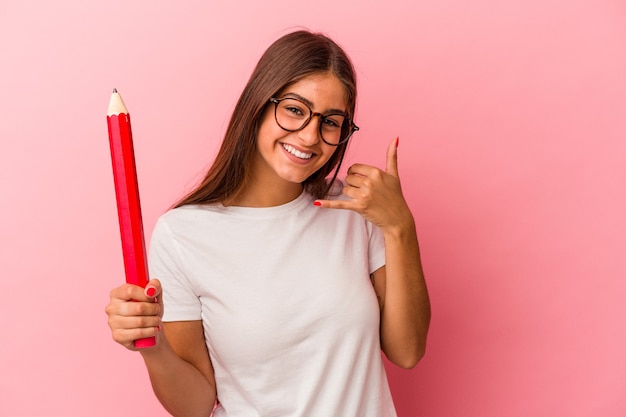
(295, 152)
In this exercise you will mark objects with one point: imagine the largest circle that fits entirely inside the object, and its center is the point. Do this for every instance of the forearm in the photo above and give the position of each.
(405, 315)
(182, 389)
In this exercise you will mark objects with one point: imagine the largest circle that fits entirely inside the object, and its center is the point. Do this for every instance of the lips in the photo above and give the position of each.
(297, 153)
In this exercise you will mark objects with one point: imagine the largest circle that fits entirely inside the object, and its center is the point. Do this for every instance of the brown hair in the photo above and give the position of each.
(289, 59)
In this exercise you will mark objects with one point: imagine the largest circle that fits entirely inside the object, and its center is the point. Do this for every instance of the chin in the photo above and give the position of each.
(295, 179)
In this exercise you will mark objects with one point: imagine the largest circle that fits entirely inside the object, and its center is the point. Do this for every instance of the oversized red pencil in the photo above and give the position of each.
(127, 194)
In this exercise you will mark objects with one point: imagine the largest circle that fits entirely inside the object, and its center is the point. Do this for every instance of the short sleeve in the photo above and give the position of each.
(180, 300)
(376, 247)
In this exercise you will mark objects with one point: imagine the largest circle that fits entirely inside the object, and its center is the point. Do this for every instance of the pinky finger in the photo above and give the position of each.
(332, 204)
(128, 337)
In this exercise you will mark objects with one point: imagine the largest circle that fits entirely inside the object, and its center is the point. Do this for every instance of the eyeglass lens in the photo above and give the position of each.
(293, 115)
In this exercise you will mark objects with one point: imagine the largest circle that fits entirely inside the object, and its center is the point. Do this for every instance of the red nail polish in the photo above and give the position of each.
(151, 291)
(317, 203)
(397, 141)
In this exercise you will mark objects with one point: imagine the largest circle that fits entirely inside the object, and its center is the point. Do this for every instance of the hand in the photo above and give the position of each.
(375, 194)
(135, 312)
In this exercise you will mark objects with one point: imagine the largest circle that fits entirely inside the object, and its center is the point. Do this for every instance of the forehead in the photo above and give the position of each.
(320, 91)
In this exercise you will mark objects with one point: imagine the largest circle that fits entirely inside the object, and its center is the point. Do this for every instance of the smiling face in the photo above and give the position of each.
(285, 159)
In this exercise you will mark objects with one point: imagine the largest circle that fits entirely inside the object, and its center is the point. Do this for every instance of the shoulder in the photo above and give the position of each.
(185, 220)
(189, 213)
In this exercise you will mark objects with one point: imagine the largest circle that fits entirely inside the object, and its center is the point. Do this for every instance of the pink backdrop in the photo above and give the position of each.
(512, 124)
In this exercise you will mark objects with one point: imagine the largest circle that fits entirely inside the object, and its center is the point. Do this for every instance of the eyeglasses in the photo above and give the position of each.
(293, 115)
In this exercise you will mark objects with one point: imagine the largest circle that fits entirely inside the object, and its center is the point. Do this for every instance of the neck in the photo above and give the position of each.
(265, 195)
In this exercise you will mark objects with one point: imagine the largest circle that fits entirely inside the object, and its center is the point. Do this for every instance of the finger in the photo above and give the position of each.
(355, 181)
(127, 337)
(127, 329)
(128, 292)
(141, 308)
(392, 158)
(361, 169)
(134, 322)
(119, 308)
(335, 204)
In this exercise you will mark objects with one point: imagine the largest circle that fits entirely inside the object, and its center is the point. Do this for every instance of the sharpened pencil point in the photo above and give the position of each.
(116, 104)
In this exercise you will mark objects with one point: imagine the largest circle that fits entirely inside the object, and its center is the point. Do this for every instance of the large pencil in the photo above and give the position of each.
(127, 195)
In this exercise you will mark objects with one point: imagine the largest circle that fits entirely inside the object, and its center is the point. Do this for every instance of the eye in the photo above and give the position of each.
(330, 123)
(333, 121)
(294, 110)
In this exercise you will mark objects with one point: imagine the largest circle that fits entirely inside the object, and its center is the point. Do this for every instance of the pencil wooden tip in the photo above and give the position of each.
(116, 104)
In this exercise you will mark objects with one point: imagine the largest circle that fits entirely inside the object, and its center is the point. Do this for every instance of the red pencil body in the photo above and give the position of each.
(128, 205)
(127, 195)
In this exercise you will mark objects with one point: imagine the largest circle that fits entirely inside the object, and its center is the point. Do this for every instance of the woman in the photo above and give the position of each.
(279, 295)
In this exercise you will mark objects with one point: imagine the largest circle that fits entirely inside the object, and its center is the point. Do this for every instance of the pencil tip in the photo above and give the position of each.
(114, 90)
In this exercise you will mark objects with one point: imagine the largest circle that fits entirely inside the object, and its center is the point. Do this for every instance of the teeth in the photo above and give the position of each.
(296, 152)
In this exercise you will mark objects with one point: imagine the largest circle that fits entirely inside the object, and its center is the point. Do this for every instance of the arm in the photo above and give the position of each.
(179, 365)
(405, 306)
(180, 370)
(399, 285)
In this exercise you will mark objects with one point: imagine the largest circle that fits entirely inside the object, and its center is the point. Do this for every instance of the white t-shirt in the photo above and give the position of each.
(290, 316)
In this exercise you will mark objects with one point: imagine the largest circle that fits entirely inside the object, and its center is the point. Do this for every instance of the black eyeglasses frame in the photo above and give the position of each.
(348, 126)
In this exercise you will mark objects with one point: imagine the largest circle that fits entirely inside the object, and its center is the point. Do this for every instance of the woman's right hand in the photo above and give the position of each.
(135, 313)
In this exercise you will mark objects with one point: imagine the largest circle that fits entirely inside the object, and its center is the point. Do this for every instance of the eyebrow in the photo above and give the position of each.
(310, 104)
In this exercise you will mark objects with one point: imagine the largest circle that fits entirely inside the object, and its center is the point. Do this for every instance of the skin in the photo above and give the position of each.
(277, 175)
(179, 366)
(405, 307)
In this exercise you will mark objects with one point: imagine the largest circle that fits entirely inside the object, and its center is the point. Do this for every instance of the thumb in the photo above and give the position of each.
(153, 289)
(392, 158)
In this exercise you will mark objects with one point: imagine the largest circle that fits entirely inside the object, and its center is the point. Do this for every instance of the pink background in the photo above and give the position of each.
(512, 125)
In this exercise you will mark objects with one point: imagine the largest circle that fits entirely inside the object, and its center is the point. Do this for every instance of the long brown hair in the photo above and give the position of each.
(289, 59)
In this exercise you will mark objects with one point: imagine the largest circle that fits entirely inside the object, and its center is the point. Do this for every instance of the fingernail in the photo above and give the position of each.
(151, 291)
(397, 141)
(159, 328)
(317, 203)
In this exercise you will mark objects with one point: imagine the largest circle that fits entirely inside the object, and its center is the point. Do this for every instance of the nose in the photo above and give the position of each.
(310, 134)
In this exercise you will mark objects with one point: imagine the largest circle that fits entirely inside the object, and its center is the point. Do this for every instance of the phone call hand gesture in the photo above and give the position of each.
(376, 194)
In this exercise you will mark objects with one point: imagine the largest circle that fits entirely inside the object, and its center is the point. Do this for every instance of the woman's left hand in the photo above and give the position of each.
(400, 285)
(376, 194)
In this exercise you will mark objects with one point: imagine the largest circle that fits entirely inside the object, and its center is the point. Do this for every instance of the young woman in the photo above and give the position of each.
(274, 288)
